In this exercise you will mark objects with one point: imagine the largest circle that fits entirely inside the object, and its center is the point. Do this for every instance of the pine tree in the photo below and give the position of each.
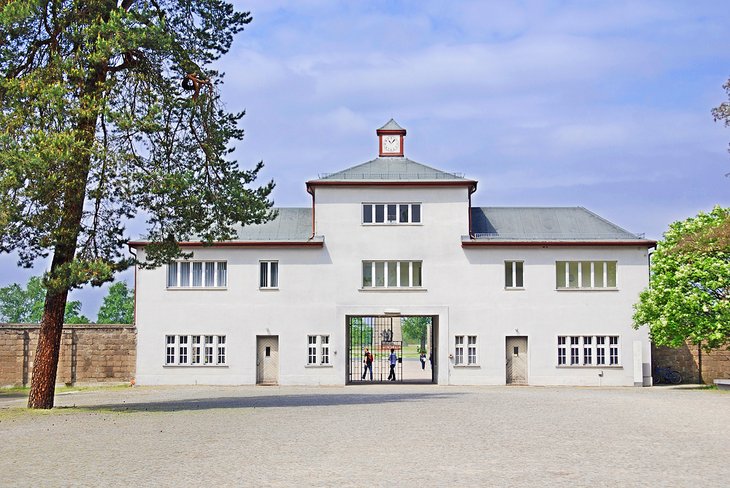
(109, 109)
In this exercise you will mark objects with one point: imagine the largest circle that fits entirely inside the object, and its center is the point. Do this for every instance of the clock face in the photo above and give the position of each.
(391, 144)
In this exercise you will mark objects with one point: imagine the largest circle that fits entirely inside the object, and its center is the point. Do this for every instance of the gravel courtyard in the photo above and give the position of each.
(374, 435)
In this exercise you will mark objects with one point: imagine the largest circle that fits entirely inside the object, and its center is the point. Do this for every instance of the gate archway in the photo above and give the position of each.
(406, 336)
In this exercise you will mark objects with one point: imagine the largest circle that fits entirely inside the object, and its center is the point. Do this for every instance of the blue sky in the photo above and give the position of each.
(600, 104)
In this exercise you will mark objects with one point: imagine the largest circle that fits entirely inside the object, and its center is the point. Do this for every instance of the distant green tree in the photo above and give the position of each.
(361, 332)
(118, 305)
(688, 298)
(415, 329)
(20, 305)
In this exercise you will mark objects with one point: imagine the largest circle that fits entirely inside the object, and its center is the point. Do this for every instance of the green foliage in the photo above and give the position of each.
(361, 333)
(118, 305)
(20, 305)
(415, 329)
(96, 129)
(688, 298)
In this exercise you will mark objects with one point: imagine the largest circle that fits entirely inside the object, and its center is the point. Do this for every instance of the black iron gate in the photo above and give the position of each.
(377, 336)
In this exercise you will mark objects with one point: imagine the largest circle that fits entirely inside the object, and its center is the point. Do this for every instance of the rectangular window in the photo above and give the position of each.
(513, 277)
(391, 274)
(184, 274)
(170, 349)
(208, 349)
(209, 274)
(367, 214)
(403, 213)
(589, 350)
(221, 349)
(416, 213)
(312, 352)
(195, 350)
(613, 351)
(318, 351)
(459, 350)
(600, 350)
(391, 213)
(196, 274)
(222, 269)
(585, 274)
(561, 350)
(379, 214)
(172, 275)
(269, 276)
(471, 350)
(182, 349)
(574, 351)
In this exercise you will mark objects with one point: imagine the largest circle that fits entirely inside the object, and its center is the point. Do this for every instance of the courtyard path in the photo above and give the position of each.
(370, 435)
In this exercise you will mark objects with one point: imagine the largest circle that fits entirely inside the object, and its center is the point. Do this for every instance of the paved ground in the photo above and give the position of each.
(370, 435)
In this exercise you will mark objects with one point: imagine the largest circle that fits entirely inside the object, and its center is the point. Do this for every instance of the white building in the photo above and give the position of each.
(541, 296)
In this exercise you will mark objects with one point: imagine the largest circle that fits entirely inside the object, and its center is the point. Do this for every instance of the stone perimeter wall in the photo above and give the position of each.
(90, 353)
(687, 360)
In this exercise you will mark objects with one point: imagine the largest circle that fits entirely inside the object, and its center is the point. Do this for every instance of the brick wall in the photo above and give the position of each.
(687, 360)
(90, 353)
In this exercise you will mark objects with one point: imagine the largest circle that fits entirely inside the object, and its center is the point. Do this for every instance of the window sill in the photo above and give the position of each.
(514, 288)
(391, 289)
(467, 366)
(590, 366)
(392, 224)
(196, 288)
(195, 366)
(588, 289)
(269, 288)
(318, 366)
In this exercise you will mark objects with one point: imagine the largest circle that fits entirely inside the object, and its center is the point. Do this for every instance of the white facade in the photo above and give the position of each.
(320, 284)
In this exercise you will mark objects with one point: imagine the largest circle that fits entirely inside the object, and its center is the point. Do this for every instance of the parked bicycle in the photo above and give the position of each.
(666, 375)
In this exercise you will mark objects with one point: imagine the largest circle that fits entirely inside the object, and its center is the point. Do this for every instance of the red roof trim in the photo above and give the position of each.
(241, 244)
(641, 243)
(470, 183)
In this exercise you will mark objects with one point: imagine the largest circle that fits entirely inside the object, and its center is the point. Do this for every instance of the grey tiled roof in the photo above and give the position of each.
(391, 168)
(291, 224)
(391, 125)
(544, 224)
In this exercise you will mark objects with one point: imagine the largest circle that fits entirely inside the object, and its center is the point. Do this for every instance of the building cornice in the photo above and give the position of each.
(407, 183)
(617, 243)
(308, 243)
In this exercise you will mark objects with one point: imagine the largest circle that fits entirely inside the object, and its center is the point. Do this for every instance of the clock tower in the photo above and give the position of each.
(390, 139)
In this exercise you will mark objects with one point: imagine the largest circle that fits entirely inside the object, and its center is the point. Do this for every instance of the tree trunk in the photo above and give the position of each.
(45, 363)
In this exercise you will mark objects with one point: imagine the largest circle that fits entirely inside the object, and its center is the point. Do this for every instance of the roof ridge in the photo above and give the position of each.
(606, 221)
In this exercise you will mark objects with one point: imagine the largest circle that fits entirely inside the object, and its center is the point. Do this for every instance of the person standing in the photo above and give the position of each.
(423, 359)
(368, 364)
(393, 361)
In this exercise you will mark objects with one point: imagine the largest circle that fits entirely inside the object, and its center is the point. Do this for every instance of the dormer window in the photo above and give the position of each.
(391, 213)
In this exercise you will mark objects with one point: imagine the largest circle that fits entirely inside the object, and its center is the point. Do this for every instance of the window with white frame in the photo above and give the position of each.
(391, 213)
(392, 274)
(465, 350)
(459, 350)
(197, 274)
(195, 350)
(585, 274)
(588, 351)
(318, 351)
(513, 274)
(269, 274)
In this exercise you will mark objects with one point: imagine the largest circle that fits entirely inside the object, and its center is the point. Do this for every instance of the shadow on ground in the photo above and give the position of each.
(267, 401)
